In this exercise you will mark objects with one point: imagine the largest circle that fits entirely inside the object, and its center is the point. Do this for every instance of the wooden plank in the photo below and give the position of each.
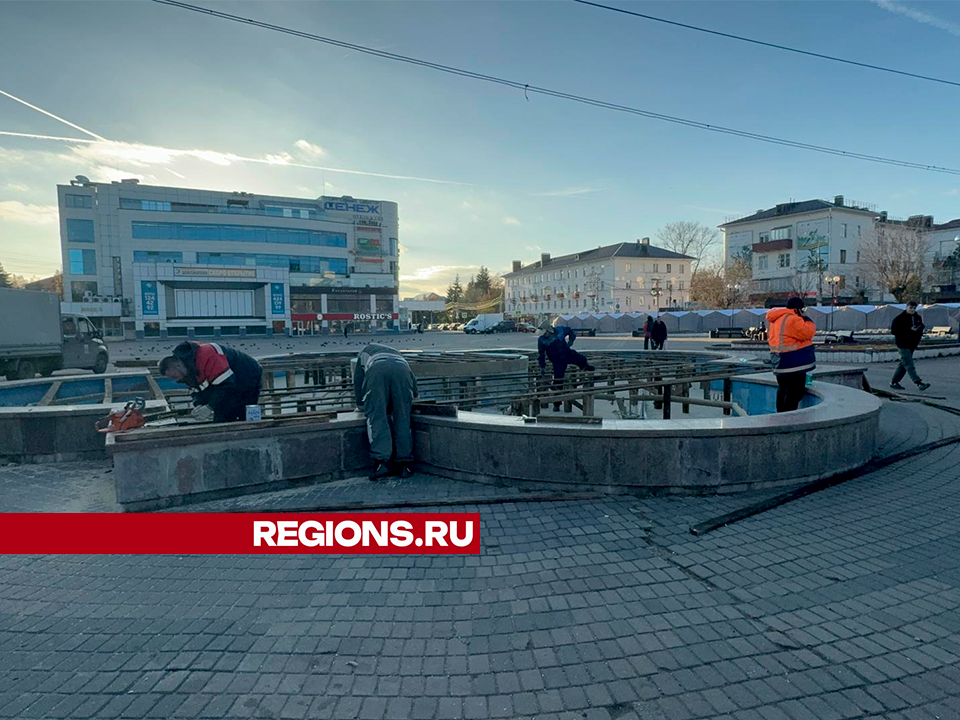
(50, 394)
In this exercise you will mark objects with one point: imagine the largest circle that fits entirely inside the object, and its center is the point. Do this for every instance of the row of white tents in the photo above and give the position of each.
(826, 317)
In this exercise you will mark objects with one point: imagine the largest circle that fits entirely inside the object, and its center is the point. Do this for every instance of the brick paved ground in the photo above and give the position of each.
(841, 605)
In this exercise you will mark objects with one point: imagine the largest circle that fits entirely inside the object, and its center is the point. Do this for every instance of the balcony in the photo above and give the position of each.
(773, 246)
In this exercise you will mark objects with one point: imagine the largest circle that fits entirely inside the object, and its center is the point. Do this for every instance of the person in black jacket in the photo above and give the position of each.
(907, 329)
(556, 344)
(224, 379)
(658, 333)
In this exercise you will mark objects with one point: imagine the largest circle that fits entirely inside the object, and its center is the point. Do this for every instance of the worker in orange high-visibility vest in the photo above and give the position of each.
(791, 341)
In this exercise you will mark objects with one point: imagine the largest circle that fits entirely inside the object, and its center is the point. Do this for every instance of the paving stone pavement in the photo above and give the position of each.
(843, 604)
(840, 605)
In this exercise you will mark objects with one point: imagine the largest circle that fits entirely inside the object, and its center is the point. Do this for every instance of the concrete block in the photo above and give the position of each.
(355, 449)
(11, 437)
(308, 456)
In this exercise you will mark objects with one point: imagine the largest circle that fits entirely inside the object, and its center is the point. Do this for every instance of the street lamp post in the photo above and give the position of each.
(834, 281)
(656, 292)
(733, 290)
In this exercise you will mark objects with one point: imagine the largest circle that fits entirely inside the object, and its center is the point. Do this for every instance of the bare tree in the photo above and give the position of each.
(714, 286)
(802, 282)
(893, 257)
(688, 238)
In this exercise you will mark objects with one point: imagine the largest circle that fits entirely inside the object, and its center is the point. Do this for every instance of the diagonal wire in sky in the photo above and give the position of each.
(55, 117)
(526, 89)
(764, 43)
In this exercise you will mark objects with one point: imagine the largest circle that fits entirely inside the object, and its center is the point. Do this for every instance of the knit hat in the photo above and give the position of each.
(795, 303)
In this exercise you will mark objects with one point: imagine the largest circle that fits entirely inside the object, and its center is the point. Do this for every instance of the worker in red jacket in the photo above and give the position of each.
(224, 379)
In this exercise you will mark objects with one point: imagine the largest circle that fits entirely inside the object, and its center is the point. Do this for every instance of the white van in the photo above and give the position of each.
(482, 322)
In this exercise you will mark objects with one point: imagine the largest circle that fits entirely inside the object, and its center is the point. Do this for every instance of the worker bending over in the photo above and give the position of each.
(385, 389)
(555, 343)
(224, 379)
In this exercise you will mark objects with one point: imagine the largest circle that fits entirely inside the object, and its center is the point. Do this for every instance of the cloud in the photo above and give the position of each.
(10, 157)
(953, 192)
(532, 248)
(17, 187)
(112, 152)
(474, 218)
(434, 272)
(18, 212)
(105, 173)
(465, 205)
(568, 192)
(920, 16)
(510, 221)
(308, 148)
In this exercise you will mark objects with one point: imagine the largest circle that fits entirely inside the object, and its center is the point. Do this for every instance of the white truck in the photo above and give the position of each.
(482, 322)
(36, 338)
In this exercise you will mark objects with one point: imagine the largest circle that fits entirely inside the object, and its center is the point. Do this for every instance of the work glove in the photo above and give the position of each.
(202, 413)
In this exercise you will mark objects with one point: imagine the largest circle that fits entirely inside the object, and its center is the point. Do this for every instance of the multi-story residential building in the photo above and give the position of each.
(791, 247)
(149, 261)
(624, 277)
(800, 247)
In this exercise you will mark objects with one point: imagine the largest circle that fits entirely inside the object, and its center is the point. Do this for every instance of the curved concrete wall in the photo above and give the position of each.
(655, 456)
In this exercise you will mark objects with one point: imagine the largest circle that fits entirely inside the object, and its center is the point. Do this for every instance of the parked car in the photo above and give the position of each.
(504, 326)
(525, 328)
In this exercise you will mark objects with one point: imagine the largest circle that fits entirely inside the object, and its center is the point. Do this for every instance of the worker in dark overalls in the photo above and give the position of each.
(555, 343)
(385, 389)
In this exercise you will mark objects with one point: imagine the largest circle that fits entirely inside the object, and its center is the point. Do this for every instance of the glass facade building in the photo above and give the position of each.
(142, 251)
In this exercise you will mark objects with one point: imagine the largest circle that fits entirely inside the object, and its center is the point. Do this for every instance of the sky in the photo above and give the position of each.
(483, 174)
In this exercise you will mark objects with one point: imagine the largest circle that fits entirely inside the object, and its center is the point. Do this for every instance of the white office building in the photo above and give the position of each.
(623, 277)
(149, 261)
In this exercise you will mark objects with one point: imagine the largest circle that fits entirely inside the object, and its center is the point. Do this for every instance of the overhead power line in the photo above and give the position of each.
(526, 89)
(763, 43)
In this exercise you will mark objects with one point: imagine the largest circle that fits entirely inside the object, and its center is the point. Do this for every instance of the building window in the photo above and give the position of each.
(294, 263)
(680, 285)
(79, 230)
(780, 233)
(78, 201)
(80, 290)
(628, 267)
(858, 256)
(83, 262)
(843, 230)
(656, 267)
(157, 257)
(843, 255)
(857, 281)
(764, 237)
(784, 260)
(761, 262)
(668, 268)
(858, 231)
(682, 268)
(236, 233)
(628, 284)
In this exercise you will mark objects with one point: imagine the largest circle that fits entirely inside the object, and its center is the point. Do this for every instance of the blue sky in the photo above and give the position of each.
(183, 98)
